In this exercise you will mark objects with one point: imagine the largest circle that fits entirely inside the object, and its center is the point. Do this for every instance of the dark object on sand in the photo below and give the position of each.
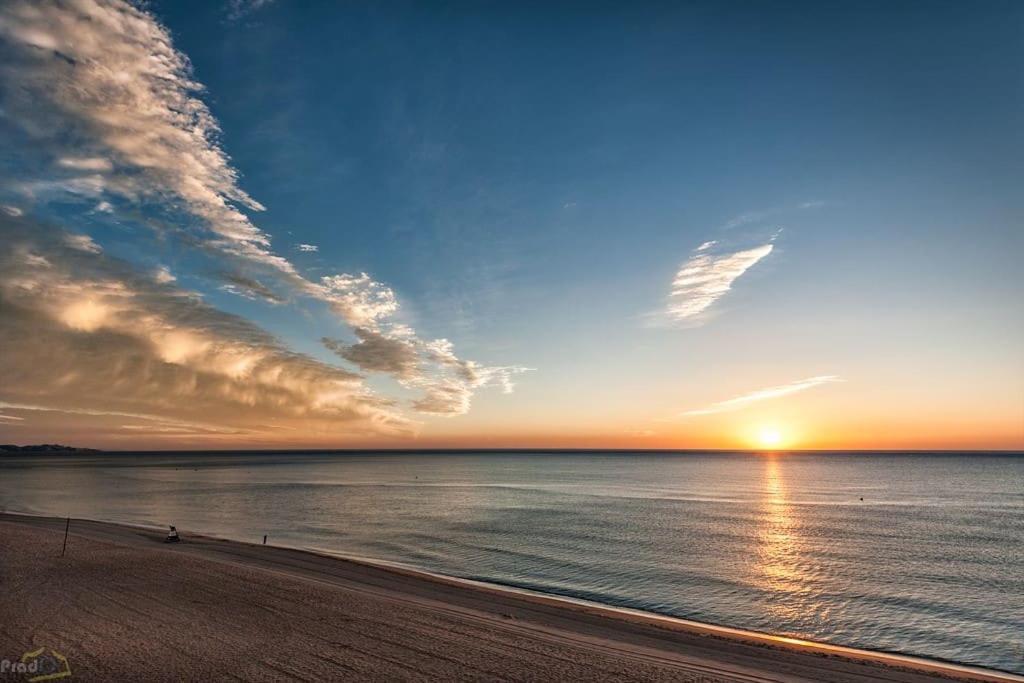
(172, 536)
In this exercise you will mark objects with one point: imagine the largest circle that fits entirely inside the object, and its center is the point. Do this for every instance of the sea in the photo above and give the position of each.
(914, 553)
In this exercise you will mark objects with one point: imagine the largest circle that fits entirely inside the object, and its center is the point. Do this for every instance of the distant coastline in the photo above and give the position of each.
(45, 448)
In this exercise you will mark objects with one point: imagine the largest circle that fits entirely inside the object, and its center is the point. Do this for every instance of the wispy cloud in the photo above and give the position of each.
(86, 163)
(92, 412)
(707, 276)
(762, 215)
(747, 218)
(449, 388)
(100, 88)
(248, 287)
(713, 267)
(163, 275)
(447, 381)
(239, 9)
(307, 247)
(121, 105)
(82, 243)
(763, 395)
(89, 334)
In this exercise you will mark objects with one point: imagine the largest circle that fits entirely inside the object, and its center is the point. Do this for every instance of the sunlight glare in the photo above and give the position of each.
(770, 437)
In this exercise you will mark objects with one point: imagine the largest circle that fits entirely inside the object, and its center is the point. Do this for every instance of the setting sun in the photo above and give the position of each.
(769, 437)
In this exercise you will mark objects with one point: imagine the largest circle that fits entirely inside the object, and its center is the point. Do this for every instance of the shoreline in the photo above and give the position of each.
(674, 642)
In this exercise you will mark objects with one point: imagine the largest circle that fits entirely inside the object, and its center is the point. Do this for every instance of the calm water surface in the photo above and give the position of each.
(930, 562)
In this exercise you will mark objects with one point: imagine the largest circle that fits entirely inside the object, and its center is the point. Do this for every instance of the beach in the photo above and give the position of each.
(120, 603)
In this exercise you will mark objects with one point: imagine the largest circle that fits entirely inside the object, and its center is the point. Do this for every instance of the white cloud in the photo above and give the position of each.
(86, 163)
(763, 395)
(451, 394)
(120, 95)
(307, 247)
(82, 243)
(715, 265)
(359, 299)
(100, 87)
(449, 389)
(82, 186)
(11, 210)
(163, 275)
(36, 260)
(707, 276)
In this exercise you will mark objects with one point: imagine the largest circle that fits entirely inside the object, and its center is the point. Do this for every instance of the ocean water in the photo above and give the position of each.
(920, 554)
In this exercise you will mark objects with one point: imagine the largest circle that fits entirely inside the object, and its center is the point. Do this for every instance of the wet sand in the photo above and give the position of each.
(122, 604)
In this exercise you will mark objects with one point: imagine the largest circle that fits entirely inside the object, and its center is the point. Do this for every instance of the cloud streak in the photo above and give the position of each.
(763, 395)
(707, 276)
(250, 288)
(714, 267)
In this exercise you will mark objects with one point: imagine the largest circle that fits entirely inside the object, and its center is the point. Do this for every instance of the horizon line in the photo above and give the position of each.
(525, 450)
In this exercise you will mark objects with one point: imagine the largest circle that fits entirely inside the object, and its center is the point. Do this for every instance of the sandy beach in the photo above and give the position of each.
(122, 604)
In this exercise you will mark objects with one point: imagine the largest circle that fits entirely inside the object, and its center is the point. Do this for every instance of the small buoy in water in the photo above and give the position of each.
(172, 536)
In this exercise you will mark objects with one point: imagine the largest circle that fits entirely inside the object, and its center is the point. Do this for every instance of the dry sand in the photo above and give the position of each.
(123, 605)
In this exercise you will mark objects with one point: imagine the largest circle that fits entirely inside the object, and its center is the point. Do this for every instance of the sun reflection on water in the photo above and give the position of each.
(780, 568)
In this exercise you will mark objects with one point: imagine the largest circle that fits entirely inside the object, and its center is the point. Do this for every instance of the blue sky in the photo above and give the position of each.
(528, 179)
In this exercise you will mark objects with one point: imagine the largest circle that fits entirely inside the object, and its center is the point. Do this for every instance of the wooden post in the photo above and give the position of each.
(66, 527)
(264, 539)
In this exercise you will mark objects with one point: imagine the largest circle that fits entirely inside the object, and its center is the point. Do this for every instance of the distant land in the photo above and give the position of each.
(45, 448)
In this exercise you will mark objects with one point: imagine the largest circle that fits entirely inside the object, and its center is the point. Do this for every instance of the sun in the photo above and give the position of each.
(769, 437)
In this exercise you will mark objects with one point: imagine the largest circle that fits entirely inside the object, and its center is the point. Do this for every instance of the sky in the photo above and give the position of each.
(281, 224)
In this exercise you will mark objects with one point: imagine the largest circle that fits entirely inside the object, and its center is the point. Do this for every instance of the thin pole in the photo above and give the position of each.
(264, 539)
(66, 527)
